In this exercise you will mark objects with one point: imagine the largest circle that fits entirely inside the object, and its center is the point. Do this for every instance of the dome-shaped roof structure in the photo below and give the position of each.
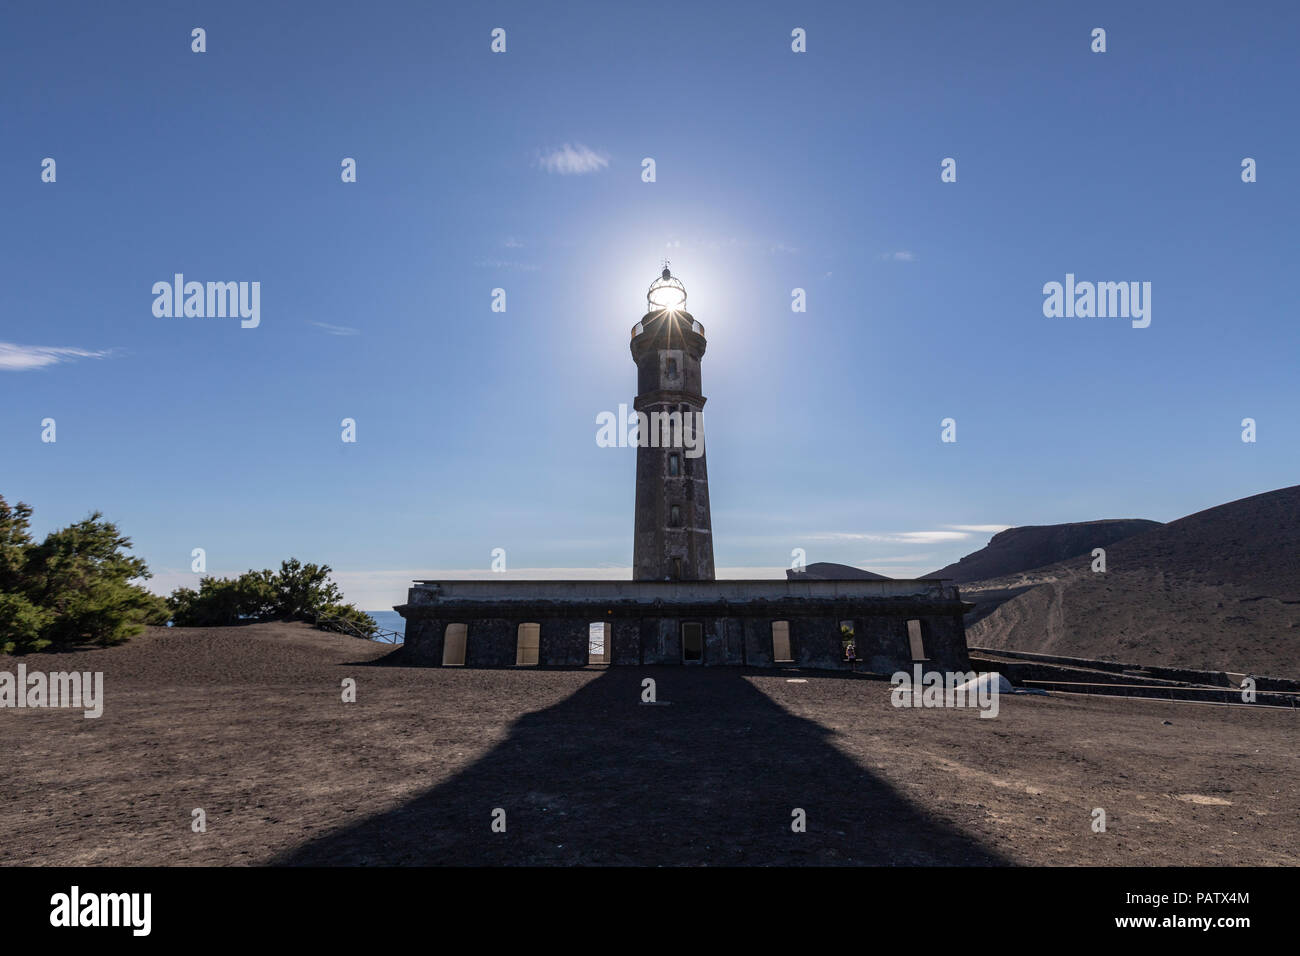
(666, 292)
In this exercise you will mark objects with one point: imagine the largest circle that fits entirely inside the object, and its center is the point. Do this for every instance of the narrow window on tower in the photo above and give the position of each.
(677, 569)
(674, 466)
(672, 368)
(675, 516)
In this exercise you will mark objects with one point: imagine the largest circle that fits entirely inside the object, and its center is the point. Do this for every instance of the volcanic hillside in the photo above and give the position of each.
(1219, 589)
(1036, 546)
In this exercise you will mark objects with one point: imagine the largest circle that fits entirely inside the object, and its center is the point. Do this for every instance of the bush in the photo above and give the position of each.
(298, 592)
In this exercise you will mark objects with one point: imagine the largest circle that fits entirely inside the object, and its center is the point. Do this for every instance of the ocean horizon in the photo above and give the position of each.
(389, 621)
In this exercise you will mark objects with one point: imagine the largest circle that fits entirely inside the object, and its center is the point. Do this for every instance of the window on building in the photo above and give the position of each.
(847, 643)
(672, 368)
(453, 645)
(597, 645)
(677, 569)
(527, 643)
(692, 643)
(914, 639)
(781, 643)
(674, 465)
(675, 516)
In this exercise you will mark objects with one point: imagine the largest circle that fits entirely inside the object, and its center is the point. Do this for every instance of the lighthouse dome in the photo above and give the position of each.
(666, 292)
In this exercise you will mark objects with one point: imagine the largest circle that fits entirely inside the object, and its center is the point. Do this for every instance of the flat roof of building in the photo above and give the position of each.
(735, 589)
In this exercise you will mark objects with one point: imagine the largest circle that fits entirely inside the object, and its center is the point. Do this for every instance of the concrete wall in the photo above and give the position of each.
(564, 642)
(815, 642)
(423, 641)
(880, 640)
(624, 645)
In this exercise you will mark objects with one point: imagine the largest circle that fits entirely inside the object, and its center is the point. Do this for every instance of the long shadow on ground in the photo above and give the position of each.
(710, 775)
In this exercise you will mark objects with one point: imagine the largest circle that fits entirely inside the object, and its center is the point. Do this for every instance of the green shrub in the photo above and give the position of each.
(297, 592)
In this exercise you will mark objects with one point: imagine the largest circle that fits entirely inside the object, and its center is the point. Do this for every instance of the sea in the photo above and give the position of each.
(389, 620)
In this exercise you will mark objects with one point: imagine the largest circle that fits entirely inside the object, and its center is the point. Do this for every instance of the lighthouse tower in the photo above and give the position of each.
(674, 533)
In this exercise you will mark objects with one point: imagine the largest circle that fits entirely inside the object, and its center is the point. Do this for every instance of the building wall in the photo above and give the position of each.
(881, 640)
(564, 641)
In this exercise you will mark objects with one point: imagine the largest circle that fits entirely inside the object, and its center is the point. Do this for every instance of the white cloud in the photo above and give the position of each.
(573, 160)
(981, 528)
(509, 265)
(718, 243)
(336, 329)
(23, 358)
(896, 559)
(898, 537)
(901, 256)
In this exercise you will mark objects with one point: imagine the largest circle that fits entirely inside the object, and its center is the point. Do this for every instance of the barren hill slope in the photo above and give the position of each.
(1219, 589)
(1036, 546)
(828, 571)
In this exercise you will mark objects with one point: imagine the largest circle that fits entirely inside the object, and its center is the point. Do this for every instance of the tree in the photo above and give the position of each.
(74, 587)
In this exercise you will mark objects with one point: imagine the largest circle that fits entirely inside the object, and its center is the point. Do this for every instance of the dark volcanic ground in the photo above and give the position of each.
(247, 724)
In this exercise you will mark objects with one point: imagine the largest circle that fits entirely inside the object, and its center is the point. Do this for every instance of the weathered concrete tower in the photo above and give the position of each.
(674, 531)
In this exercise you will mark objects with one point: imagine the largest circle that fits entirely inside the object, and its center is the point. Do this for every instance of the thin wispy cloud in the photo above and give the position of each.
(980, 528)
(897, 537)
(901, 256)
(773, 246)
(336, 329)
(570, 160)
(509, 265)
(896, 559)
(24, 358)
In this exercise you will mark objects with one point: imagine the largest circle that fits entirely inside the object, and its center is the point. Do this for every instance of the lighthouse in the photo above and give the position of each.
(673, 538)
(674, 611)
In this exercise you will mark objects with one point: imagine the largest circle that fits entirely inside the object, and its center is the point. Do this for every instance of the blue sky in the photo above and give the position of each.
(775, 170)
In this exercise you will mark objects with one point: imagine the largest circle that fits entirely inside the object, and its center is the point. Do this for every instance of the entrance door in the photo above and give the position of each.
(781, 643)
(453, 645)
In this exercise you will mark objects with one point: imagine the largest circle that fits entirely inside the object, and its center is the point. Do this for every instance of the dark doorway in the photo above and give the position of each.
(692, 643)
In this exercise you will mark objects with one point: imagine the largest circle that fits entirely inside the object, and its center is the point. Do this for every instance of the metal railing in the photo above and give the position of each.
(383, 635)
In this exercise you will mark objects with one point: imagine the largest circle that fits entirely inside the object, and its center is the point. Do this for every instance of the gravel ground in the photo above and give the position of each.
(248, 725)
